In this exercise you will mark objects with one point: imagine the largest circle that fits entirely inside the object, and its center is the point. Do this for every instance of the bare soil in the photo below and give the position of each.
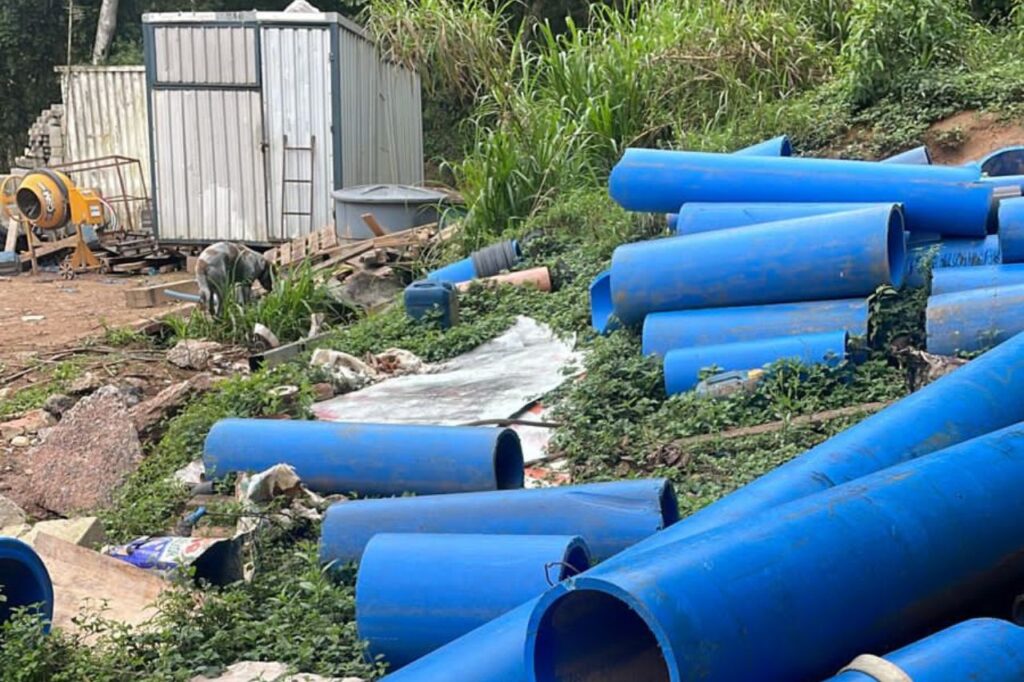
(71, 310)
(970, 135)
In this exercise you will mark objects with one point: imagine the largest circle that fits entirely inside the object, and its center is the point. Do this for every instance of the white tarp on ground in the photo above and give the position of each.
(494, 381)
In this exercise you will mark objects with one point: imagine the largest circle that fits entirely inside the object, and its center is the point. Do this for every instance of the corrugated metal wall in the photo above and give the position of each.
(380, 117)
(106, 115)
(297, 105)
(208, 134)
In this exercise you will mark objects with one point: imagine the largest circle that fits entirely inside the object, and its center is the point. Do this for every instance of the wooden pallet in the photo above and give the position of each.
(313, 247)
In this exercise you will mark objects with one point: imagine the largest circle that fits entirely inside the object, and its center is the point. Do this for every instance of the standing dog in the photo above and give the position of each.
(224, 266)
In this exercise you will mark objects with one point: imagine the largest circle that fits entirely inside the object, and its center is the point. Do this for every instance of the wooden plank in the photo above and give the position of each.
(152, 296)
(83, 578)
(375, 227)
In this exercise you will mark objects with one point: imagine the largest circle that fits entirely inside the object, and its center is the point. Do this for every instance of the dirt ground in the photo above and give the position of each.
(70, 309)
(980, 134)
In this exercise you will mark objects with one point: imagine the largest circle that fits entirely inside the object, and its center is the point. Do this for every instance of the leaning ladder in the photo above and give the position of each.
(286, 182)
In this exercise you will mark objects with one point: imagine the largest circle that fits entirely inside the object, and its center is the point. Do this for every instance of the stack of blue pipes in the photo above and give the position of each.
(773, 257)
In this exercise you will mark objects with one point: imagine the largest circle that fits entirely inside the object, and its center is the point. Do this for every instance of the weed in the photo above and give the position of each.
(53, 379)
(124, 336)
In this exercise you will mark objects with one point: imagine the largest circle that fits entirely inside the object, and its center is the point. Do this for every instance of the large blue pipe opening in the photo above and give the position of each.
(663, 332)
(796, 592)
(980, 650)
(853, 253)
(459, 583)
(608, 516)
(370, 459)
(943, 199)
(24, 581)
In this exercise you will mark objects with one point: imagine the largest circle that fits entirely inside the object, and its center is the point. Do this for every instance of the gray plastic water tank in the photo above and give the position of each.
(396, 207)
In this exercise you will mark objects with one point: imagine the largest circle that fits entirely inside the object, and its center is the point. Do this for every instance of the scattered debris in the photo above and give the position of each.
(248, 671)
(10, 514)
(149, 414)
(84, 458)
(21, 441)
(191, 474)
(33, 318)
(193, 354)
(348, 372)
(323, 391)
(398, 362)
(269, 338)
(58, 403)
(31, 422)
(368, 289)
(84, 579)
(86, 383)
(86, 531)
(217, 561)
(924, 368)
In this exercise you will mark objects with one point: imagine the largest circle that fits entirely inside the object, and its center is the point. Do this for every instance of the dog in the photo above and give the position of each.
(224, 266)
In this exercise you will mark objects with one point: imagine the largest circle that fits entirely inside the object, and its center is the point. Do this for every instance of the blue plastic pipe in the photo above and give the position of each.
(369, 459)
(697, 216)
(24, 581)
(663, 332)
(853, 253)
(795, 592)
(1011, 230)
(1005, 161)
(683, 366)
(942, 199)
(965, 321)
(915, 156)
(981, 650)
(985, 395)
(949, 280)
(777, 146)
(459, 271)
(459, 583)
(608, 516)
(951, 253)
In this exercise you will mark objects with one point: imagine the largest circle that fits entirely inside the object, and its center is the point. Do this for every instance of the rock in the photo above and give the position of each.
(348, 372)
(86, 531)
(249, 671)
(86, 457)
(367, 289)
(21, 441)
(323, 391)
(10, 513)
(87, 383)
(147, 415)
(32, 422)
(193, 354)
(58, 403)
(131, 395)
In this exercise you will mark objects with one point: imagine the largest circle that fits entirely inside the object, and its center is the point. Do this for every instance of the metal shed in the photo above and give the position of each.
(256, 117)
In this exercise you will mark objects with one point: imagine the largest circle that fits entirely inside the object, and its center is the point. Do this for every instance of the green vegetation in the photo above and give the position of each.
(51, 379)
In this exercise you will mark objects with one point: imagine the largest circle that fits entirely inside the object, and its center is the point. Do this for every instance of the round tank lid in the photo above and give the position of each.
(389, 194)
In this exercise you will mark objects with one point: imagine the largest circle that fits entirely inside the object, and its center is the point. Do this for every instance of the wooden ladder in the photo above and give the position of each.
(286, 182)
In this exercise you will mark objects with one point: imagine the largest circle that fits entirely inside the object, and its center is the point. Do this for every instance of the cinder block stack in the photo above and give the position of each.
(45, 140)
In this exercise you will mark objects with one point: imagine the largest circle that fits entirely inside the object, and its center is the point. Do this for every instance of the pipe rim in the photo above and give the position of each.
(896, 246)
(29, 568)
(621, 610)
(785, 146)
(668, 503)
(601, 308)
(507, 458)
(575, 559)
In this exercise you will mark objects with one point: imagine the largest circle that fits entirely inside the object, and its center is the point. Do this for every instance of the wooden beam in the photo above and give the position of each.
(152, 296)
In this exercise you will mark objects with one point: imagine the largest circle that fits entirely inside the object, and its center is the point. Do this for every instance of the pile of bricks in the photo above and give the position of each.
(45, 140)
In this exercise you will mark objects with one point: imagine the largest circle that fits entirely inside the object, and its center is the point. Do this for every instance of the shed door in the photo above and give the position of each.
(298, 109)
(210, 173)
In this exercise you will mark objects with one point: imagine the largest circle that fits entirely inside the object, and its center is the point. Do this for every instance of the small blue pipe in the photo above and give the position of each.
(459, 271)
(944, 199)
(984, 395)
(24, 581)
(683, 365)
(854, 253)
(697, 217)
(951, 253)
(602, 313)
(917, 155)
(663, 332)
(777, 146)
(972, 320)
(181, 296)
(980, 650)
(796, 592)
(459, 583)
(1005, 161)
(608, 516)
(1011, 230)
(369, 459)
(949, 280)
